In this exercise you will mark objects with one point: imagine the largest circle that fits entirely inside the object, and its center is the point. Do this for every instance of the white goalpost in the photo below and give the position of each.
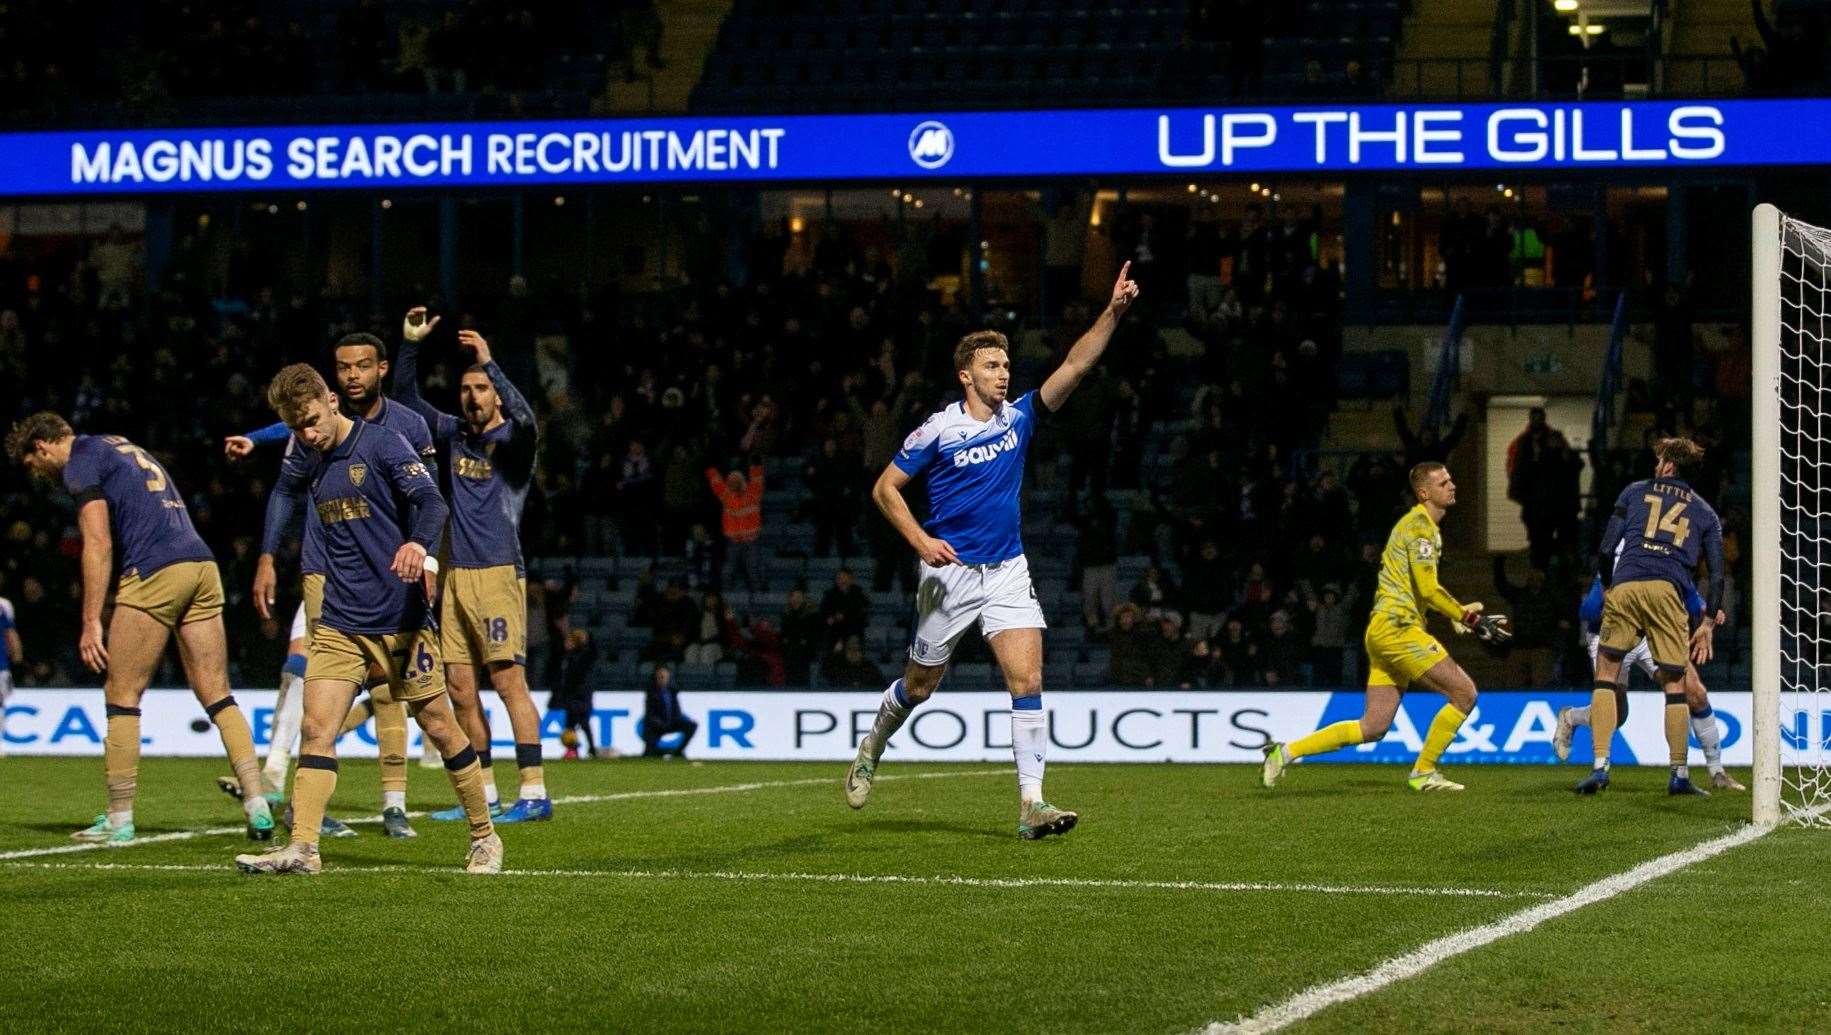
(1790, 538)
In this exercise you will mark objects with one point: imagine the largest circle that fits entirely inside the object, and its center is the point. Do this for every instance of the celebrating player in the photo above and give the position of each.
(168, 584)
(382, 515)
(1400, 653)
(361, 364)
(1658, 528)
(971, 551)
(484, 611)
(1703, 719)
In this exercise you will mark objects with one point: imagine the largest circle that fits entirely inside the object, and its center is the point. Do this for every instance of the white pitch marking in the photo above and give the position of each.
(942, 880)
(578, 799)
(1316, 999)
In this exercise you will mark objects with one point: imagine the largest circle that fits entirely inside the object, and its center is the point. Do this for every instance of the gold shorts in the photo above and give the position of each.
(1650, 608)
(175, 595)
(409, 659)
(483, 616)
(1398, 654)
(312, 589)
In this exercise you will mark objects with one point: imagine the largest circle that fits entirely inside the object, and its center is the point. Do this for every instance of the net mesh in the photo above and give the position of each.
(1805, 532)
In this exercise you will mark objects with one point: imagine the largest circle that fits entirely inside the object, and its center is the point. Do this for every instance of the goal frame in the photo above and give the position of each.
(1764, 538)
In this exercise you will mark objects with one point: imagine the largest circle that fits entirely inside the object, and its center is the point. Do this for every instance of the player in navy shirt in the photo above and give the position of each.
(361, 364)
(129, 510)
(382, 517)
(973, 570)
(1646, 560)
(483, 620)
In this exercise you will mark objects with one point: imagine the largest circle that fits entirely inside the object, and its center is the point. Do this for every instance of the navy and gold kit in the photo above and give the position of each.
(290, 499)
(166, 570)
(1661, 526)
(483, 614)
(371, 494)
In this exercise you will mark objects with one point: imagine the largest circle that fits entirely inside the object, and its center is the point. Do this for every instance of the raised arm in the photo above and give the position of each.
(98, 564)
(519, 457)
(1086, 352)
(406, 390)
(236, 447)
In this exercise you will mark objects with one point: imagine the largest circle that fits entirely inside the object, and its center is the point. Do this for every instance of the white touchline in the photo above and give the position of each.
(577, 799)
(793, 877)
(1312, 1001)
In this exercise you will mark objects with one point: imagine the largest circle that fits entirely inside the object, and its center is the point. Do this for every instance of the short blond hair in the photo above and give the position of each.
(293, 387)
(1421, 475)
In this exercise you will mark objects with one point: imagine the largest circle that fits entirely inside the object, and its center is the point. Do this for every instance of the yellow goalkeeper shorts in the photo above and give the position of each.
(1397, 654)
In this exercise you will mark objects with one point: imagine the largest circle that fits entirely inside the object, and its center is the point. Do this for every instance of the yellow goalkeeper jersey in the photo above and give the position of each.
(1408, 571)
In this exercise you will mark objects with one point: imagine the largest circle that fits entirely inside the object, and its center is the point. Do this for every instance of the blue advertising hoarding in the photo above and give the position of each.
(952, 146)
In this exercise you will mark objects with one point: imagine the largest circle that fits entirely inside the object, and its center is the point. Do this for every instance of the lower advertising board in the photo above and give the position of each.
(1084, 726)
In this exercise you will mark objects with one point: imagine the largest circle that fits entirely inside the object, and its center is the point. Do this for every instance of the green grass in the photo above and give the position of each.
(637, 935)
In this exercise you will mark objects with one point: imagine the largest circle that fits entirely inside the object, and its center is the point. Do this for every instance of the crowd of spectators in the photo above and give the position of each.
(661, 446)
(63, 60)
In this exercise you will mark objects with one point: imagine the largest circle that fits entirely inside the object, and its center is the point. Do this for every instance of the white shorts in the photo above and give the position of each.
(298, 624)
(951, 598)
(6, 683)
(1641, 655)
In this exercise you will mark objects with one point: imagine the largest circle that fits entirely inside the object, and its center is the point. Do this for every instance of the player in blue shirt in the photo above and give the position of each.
(12, 652)
(361, 364)
(1645, 560)
(129, 509)
(1697, 697)
(483, 622)
(971, 551)
(381, 517)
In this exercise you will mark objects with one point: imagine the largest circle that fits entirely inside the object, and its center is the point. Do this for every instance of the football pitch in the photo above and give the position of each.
(669, 896)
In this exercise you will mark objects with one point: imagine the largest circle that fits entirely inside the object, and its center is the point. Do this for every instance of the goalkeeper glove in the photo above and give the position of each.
(1493, 629)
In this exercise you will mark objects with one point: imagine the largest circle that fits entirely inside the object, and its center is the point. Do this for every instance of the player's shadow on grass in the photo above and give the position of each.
(926, 826)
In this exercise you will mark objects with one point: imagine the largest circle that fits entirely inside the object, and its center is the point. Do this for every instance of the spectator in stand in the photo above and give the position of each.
(849, 669)
(740, 496)
(1130, 666)
(676, 625)
(1557, 496)
(661, 717)
(572, 695)
(1281, 659)
(803, 633)
(1237, 652)
(1425, 446)
(1329, 643)
(1154, 592)
(1097, 555)
(1528, 469)
(1205, 591)
(760, 661)
(717, 630)
(836, 483)
(844, 610)
(1164, 662)
(636, 497)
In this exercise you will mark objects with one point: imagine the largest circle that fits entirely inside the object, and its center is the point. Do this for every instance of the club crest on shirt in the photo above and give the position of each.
(357, 473)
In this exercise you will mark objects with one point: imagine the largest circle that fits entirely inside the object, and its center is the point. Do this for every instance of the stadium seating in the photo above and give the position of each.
(811, 55)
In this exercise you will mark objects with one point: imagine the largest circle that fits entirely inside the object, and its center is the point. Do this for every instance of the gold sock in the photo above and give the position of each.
(121, 757)
(1678, 728)
(391, 742)
(238, 741)
(311, 794)
(467, 779)
(1442, 732)
(1333, 737)
(1602, 719)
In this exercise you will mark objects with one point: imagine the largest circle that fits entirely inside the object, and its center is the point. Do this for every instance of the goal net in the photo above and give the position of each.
(1791, 540)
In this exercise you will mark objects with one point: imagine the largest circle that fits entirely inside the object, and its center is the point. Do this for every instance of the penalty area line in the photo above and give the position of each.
(799, 877)
(576, 799)
(1314, 1000)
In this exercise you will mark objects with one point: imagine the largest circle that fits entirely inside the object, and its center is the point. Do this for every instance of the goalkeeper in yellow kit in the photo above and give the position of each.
(1400, 652)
